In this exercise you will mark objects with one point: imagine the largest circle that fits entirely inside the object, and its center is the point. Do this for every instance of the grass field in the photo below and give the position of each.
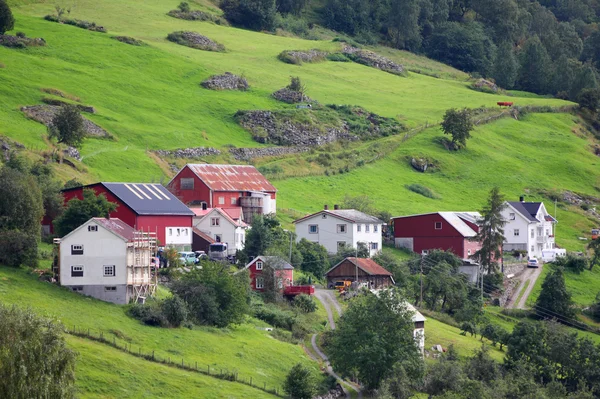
(583, 286)
(245, 348)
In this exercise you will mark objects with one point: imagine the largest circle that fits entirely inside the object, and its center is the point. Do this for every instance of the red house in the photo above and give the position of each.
(284, 272)
(146, 207)
(224, 186)
(440, 230)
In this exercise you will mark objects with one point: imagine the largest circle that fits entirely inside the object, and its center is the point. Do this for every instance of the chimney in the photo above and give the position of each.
(336, 207)
(521, 199)
(326, 207)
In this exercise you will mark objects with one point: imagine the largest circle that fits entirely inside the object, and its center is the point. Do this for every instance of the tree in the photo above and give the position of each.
(589, 99)
(251, 14)
(534, 74)
(403, 26)
(363, 344)
(18, 248)
(594, 246)
(315, 259)
(67, 126)
(7, 21)
(184, 6)
(299, 383)
(554, 300)
(35, 361)
(458, 124)
(79, 211)
(506, 67)
(294, 7)
(361, 203)
(175, 310)
(51, 189)
(491, 231)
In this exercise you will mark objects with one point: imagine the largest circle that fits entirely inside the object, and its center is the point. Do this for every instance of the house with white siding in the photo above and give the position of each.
(108, 260)
(222, 225)
(337, 228)
(529, 227)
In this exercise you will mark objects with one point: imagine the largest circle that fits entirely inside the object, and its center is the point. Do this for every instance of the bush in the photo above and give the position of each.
(338, 57)
(184, 6)
(422, 190)
(129, 40)
(275, 316)
(194, 40)
(251, 14)
(149, 313)
(305, 303)
(7, 21)
(293, 24)
(572, 262)
(174, 310)
(299, 383)
(495, 280)
(18, 248)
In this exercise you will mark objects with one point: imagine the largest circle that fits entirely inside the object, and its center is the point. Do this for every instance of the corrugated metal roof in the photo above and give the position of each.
(459, 224)
(225, 212)
(202, 234)
(232, 177)
(367, 265)
(351, 215)
(118, 227)
(148, 199)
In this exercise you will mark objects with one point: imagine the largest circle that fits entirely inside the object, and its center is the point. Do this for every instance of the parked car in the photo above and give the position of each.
(533, 262)
(187, 258)
(201, 255)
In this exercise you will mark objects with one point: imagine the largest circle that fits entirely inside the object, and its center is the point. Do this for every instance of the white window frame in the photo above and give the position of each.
(260, 283)
(110, 288)
(221, 200)
(436, 224)
(93, 227)
(215, 221)
(342, 228)
(511, 216)
(77, 248)
(358, 227)
(517, 232)
(186, 185)
(77, 268)
(316, 228)
(233, 201)
(367, 228)
(375, 228)
(259, 265)
(110, 267)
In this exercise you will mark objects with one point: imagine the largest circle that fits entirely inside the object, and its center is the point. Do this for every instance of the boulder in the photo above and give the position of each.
(227, 81)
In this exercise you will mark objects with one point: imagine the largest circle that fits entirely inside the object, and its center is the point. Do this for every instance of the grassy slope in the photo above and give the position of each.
(104, 372)
(149, 97)
(515, 155)
(244, 348)
(583, 287)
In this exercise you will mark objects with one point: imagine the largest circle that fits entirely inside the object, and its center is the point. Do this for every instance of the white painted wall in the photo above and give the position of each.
(99, 248)
(269, 205)
(233, 235)
(178, 236)
(372, 236)
(533, 236)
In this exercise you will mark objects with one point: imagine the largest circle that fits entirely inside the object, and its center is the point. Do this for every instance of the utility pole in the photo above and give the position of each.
(421, 265)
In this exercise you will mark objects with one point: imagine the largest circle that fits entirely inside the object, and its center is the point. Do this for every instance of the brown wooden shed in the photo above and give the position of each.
(363, 270)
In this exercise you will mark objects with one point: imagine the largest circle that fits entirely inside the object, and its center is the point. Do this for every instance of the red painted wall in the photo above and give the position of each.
(227, 196)
(158, 223)
(283, 274)
(201, 192)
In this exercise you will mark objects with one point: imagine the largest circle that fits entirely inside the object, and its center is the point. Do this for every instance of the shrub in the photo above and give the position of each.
(18, 248)
(174, 310)
(296, 84)
(422, 190)
(299, 383)
(275, 316)
(149, 313)
(129, 40)
(305, 303)
(194, 40)
(338, 57)
(184, 6)
(293, 24)
(572, 262)
(7, 21)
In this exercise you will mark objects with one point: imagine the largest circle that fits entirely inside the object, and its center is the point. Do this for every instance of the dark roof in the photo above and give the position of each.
(145, 198)
(351, 215)
(527, 209)
(232, 177)
(118, 227)
(274, 261)
(367, 265)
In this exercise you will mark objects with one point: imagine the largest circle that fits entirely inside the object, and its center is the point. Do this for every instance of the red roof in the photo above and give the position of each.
(118, 227)
(205, 236)
(367, 265)
(232, 177)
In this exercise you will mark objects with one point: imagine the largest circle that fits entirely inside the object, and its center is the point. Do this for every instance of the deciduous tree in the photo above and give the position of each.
(79, 211)
(457, 123)
(68, 126)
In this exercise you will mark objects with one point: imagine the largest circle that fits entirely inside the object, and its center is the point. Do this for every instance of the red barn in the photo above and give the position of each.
(284, 272)
(440, 230)
(146, 207)
(224, 186)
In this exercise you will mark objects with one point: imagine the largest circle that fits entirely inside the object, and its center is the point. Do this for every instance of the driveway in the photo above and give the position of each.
(531, 275)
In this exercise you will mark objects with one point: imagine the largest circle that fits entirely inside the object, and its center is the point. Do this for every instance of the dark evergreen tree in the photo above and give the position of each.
(7, 21)
(299, 383)
(535, 67)
(506, 67)
(555, 301)
(491, 232)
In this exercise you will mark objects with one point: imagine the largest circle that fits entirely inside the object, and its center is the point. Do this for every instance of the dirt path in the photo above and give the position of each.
(325, 298)
(531, 275)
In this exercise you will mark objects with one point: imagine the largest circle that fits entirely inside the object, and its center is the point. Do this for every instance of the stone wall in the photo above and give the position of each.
(246, 154)
(372, 59)
(227, 81)
(45, 113)
(196, 152)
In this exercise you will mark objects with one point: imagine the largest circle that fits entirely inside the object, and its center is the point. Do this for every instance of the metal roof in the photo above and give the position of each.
(351, 215)
(527, 209)
(223, 212)
(148, 199)
(203, 235)
(456, 221)
(118, 227)
(231, 177)
(274, 261)
(367, 265)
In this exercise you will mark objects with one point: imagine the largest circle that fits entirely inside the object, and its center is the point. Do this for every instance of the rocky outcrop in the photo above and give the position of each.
(335, 393)
(372, 59)
(45, 113)
(290, 96)
(60, 103)
(21, 41)
(227, 81)
(72, 152)
(7, 145)
(300, 56)
(195, 40)
(196, 152)
(247, 154)
(282, 129)
(484, 85)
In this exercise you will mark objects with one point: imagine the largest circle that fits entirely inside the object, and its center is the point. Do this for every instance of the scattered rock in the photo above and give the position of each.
(195, 40)
(227, 81)
(129, 40)
(196, 152)
(290, 96)
(197, 15)
(247, 154)
(76, 22)
(297, 57)
(335, 393)
(72, 152)
(45, 113)
(484, 85)
(419, 164)
(372, 59)
(21, 42)
(60, 103)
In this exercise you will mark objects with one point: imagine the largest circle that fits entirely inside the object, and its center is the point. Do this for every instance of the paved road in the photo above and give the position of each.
(531, 275)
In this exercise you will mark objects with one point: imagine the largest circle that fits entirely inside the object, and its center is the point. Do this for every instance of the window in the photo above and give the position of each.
(170, 232)
(109, 270)
(516, 232)
(259, 265)
(341, 244)
(313, 229)
(76, 249)
(260, 283)
(218, 237)
(279, 283)
(375, 228)
(178, 232)
(234, 201)
(113, 288)
(358, 227)
(468, 252)
(221, 200)
(93, 227)
(367, 228)
(341, 228)
(374, 246)
(76, 271)
(185, 232)
(215, 221)
(547, 232)
(511, 216)
(532, 233)
(186, 183)
(532, 248)
(438, 225)
(324, 216)
(77, 288)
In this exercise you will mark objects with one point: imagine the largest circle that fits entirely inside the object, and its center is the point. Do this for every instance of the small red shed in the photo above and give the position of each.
(440, 230)
(284, 272)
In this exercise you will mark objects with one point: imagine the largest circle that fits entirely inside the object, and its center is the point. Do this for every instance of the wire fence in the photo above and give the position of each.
(215, 372)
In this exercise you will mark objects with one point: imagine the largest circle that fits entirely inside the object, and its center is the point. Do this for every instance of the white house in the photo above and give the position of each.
(336, 228)
(529, 227)
(419, 329)
(109, 260)
(223, 225)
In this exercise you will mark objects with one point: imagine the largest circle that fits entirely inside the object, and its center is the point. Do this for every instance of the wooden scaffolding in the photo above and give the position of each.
(142, 271)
